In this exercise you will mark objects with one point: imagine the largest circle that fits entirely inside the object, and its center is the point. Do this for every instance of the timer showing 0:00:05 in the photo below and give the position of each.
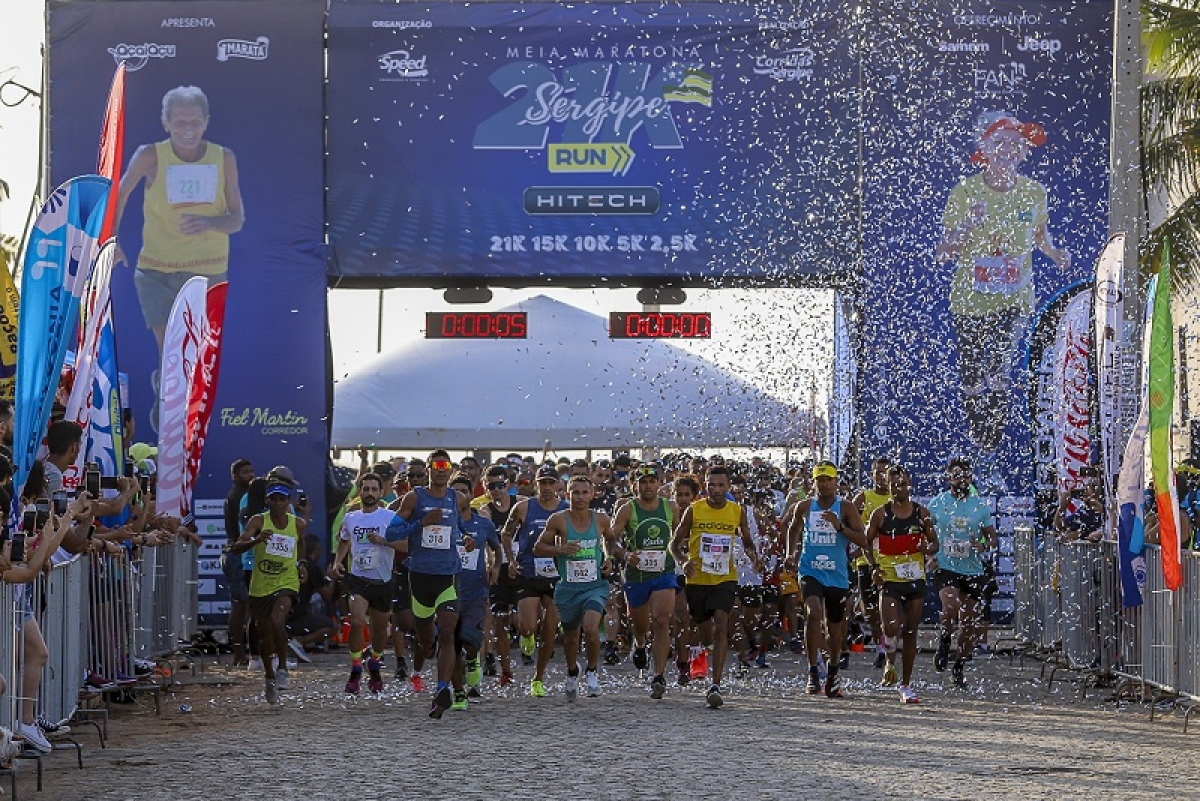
(660, 325)
(476, 325)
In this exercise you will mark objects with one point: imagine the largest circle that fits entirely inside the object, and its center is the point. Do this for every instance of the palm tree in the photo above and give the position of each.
(1171, 126)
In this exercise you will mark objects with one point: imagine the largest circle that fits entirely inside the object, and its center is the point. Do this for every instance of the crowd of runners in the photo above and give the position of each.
(464, 571)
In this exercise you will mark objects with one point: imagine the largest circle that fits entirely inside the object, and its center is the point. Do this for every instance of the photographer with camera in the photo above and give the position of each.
(1080, 513)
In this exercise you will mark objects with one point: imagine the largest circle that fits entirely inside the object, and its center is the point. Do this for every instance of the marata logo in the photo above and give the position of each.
(242, 48)
(136, 56)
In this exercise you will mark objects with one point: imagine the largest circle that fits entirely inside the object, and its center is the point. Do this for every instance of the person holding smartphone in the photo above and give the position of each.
(39, 544)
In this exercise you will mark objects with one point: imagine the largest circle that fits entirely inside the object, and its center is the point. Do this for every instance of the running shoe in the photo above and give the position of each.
(537, 689)
(943, 653)
(822, 667)
(813, 687)
(880, 659)
(713, 697)
(375, 682)
(255, 664)
(760, 661)
(460, 702)
(443, 699)
(907, 695)
(506, 679)
(957, 677)
(281, 679)
(796, 645)
(417, 683)
(528, 644)
(844, 660)
(889, 676)
(611, 657)
(833, 687)
(354, 682)
(489, 665)
(698, 667)
(745, 658)
(474, 672)
(401, 669)
(298, 649)
(473, 693)
(685, 674)
(639, 658)
(571, 687)
(593, 684)
(658, 687)
(271, 691)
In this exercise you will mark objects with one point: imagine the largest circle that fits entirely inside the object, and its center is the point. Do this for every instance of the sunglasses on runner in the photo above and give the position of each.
(495, 485)
(440, 464)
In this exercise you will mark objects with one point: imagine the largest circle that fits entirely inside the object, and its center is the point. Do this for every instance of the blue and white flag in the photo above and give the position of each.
(106, 435)
(58, 260)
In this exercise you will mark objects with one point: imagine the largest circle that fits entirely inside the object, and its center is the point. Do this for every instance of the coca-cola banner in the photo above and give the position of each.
(1071, 393)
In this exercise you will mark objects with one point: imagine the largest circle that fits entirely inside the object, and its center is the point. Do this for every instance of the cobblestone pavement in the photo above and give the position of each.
(1005, 735)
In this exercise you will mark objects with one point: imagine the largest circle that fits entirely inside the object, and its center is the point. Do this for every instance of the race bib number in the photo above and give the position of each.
(470, 559)
(581, 570)
(436, 537)
(998, 275)
(652, 561)
(958, 549)
(545, 567)
(365, 561)
(716, 550)
(282, 546)
(191, 183)
(910, 571)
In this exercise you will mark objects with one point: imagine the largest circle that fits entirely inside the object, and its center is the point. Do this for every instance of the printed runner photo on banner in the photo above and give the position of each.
(222, 178)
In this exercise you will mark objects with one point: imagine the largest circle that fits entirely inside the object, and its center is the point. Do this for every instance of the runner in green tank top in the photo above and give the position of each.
(277, 538)
(643, 527)
(578, 539)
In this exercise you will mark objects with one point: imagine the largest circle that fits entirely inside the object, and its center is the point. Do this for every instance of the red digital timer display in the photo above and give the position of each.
(660, 325)
(475, 325)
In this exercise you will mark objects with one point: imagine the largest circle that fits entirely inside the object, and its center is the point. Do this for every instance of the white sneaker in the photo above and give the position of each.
(593, 684)
(33, 737)
(281, 679)
(571, 687)
(256, 664)
(298, 650)
(908, 696)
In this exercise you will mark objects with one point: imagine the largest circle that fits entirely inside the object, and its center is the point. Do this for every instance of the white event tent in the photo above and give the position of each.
(567, 383)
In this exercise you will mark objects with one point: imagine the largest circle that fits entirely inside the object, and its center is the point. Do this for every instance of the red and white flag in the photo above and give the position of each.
(1070, 393)
(185, 333)
(112, 148)
(203, 391)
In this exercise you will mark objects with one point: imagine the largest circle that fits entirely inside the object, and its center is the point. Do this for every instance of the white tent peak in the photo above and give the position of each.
(567, 383)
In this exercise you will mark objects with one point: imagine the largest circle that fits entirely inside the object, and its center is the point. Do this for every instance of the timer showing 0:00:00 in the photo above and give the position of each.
(660, 325)
(476, 325)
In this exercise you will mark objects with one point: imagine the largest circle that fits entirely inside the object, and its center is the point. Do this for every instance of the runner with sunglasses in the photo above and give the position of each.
(640, 539)
(430, 523)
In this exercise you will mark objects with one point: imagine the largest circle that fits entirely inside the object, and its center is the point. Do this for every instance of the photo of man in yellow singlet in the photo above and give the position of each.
(191, 204)
(992, 222)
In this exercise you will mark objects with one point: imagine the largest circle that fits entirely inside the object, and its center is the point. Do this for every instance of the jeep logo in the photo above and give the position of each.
(1030, 44)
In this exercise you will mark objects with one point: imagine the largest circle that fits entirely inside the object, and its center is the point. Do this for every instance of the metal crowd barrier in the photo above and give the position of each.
(1026, 618)
(111, 617)
(64, 625)
(166, 598)
(10, 629)
(1159, 626)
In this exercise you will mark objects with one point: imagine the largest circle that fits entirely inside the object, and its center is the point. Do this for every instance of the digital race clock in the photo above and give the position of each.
(475, 325)
(660, 325)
